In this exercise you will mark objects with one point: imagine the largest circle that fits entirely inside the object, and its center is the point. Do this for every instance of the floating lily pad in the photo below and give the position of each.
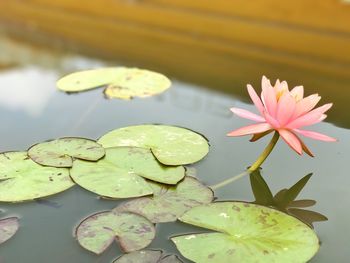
(246, 233)
(147, 256)
(8, 227)
(97, 232)
(120, 82)
(21, 179)
(60, 152)
(169, 203)
(170, 145)
(121, 173)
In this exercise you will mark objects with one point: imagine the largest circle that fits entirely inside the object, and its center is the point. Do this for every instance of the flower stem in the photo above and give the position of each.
(265, 153)
(254, 166)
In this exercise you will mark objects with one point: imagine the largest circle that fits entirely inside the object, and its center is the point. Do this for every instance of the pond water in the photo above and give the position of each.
(32, 110)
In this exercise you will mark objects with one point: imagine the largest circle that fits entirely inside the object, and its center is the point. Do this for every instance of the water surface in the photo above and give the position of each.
(32, 110)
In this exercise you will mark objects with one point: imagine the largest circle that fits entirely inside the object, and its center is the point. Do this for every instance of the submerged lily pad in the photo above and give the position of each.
(170, 145)
(147, 256)
(120, 82)
(8, 227)
(121, 173)
(21, 179)
(246, 233)
(168, 203)
(60, 152)
(97, 232)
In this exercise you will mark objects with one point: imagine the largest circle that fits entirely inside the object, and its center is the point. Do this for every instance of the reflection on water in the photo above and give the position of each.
(39, 112)
(15, 93)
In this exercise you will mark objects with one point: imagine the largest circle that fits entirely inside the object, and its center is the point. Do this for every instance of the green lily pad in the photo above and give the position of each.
(60, 152)
(120, 82)
(170, 145)
(147, 256)
(97, 232)
(169, 203)
(121, 173)
(246, 233)
(8, 227)
(21, 179)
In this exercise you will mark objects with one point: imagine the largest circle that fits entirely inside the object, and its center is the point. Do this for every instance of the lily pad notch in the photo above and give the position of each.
(119, 82)
(171, 145)
(122, 173)
(61, 152)
(98, 231)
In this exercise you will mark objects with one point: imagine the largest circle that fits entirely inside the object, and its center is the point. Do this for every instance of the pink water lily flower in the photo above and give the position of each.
(283, 111)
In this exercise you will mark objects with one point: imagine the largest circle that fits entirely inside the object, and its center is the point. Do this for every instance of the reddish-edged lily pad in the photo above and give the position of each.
(60, 152)
(147, 256)
(21, 179)
(8, 228)
(170, 145)
(97, 232)
(169, 202)
(246, 233)
(121, 173)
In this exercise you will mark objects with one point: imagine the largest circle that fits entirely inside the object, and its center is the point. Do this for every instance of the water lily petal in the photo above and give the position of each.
(306, 120)
(310, 118)
(315, 135)
(285, 108)
(265, 82)
(268, 97)
(323, 108)
(284, 85)
(292, 140)
(255, 98)
(297, 92)
(323, 116)
(247, 115)
(277, 83)
(251, 129)
(272, 121)
(306, 104)
(280, 88)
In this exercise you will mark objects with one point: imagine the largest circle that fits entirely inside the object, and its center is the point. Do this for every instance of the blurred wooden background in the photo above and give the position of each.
(223, 43)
